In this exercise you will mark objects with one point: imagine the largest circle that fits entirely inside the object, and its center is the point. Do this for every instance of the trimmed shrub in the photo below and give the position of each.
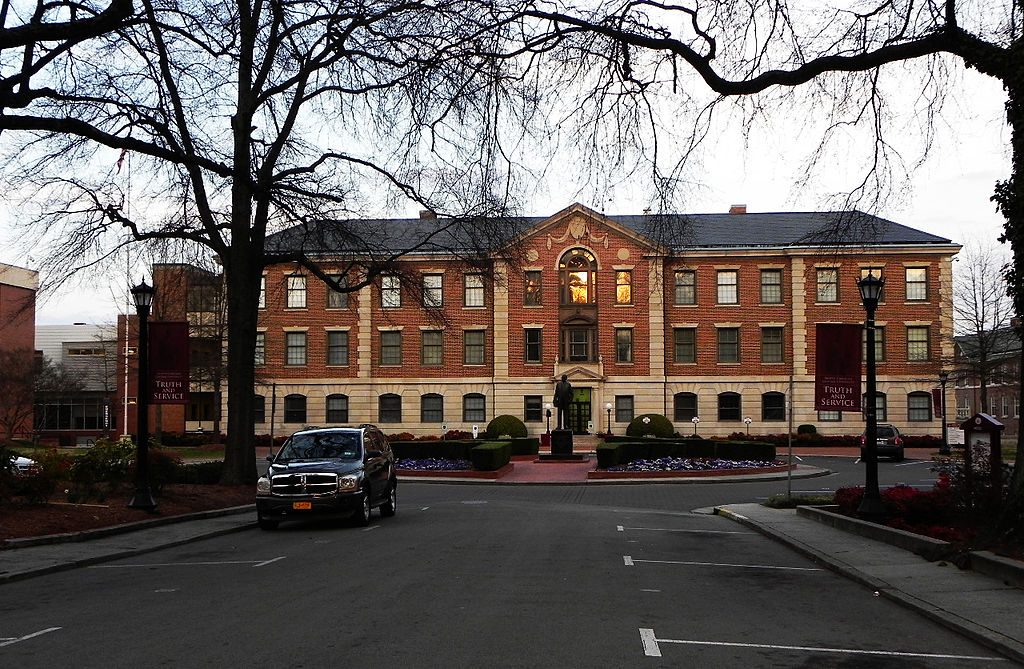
(506, 425)
(699, 448)
(202, 473)
(438, 448)
(806, 428)
(109, 462)
(525, 446)
(744, 450)
(163, 468)
(651, 424)
(490, 455)
(608, 455)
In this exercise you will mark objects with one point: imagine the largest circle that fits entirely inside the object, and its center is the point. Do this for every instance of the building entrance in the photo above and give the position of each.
(578, 415)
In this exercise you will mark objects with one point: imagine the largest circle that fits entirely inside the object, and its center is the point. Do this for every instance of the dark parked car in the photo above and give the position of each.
(888, 442)
(333, 472)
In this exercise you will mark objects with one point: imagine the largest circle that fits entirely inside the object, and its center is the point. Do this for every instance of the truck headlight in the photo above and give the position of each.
(348, 482)
(263, 486)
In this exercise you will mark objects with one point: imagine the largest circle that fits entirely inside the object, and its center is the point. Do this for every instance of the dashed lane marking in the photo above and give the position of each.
(630, 562)
(10, 641)
(652, 649)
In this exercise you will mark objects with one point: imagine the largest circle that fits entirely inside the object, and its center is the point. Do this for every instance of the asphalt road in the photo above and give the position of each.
(485, 576)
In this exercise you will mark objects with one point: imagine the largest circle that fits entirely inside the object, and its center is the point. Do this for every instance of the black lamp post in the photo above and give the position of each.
(547, 411)
(748, 420)
(608, 408)
(871, 507)
(143, 499)
(943, 377)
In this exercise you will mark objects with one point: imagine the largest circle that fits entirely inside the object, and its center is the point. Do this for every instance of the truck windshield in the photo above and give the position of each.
(319, 445)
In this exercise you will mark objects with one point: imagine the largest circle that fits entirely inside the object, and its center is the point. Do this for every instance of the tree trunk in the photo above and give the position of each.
(242, 280)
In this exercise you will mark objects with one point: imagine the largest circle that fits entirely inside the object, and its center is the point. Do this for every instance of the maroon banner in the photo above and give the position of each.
(837, 367)
(168, 363)
(937, 407)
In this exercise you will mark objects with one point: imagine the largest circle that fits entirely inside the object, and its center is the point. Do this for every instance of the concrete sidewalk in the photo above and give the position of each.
(980, 607)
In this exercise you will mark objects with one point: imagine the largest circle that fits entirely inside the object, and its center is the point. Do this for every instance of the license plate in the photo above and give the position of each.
(302, 505)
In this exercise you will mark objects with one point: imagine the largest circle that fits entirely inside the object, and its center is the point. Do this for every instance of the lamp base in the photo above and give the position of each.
(143, 499)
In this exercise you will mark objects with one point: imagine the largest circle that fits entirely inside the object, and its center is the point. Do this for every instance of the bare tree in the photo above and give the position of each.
(43, 34)
(629, 54)
(16, 391)
(244, 118)
(982, 311)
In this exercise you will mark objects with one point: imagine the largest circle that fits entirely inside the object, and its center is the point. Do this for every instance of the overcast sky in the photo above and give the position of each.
(949, 196)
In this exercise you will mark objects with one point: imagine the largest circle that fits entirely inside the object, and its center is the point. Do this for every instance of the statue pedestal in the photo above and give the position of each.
(561, 442)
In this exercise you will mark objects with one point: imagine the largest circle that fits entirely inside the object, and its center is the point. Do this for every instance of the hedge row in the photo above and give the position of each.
(616, 453)
(490, 455)
(458, 449)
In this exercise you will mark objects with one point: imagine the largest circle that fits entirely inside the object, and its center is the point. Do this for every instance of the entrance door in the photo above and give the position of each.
(579, 411)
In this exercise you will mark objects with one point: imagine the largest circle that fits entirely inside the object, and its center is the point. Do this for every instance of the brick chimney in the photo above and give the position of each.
(738, 209)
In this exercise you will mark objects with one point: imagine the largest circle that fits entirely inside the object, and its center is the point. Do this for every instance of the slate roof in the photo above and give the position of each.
(679, 232)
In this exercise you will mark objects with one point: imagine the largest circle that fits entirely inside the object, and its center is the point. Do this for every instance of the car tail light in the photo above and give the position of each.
(862, 440)
(897, 441)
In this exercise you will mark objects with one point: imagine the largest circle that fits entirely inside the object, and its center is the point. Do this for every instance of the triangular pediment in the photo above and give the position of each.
(579, 373)
(581, 225)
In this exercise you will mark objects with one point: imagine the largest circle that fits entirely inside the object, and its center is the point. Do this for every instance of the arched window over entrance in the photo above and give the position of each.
(576, 272)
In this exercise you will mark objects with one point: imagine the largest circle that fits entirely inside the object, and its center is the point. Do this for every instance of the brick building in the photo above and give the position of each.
(1001, 371)
(714, 320)
(18, 288)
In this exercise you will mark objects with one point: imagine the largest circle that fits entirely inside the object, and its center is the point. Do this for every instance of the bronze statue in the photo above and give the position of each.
(563, 395)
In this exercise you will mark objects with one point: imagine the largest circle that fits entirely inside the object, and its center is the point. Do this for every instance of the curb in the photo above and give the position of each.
(85, 535)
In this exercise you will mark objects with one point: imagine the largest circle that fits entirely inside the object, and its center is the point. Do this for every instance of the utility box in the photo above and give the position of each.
(982, 433)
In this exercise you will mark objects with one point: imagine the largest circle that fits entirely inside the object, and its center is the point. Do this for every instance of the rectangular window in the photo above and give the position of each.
(296, 298)
(432, 293)
(532, 344)
(917, 343)
(623, 408)
(473, 291)
(919, 407)
(685, 344)
(261, 349)
(728, 344)
(686, 287)
(828, 285)
(533, 411)
(1006, 406)
(259, 409)
(263, 292)
(623, 287)
(433, 347)
(337, 348)
(879, 343)
(830, 416)
(295, 348)
(337, 299)
(390, 292)
(771, 345)
(391, 347)
(877, 273)
(473, 347)
(624, 345)
(474, 408)
(771, 286)
(917, 284)
(337, 409)
(531, 296)
(577, 344)
(431, 409)
(728, 286)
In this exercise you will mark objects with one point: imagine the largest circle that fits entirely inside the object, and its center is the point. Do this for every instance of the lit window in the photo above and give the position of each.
(623, 287)
(532, 295)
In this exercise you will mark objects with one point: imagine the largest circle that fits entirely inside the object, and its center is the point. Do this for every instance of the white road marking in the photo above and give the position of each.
(630, 562)
(649, 590)
(620, 528)
(672, 529)
(371, 528)
(254, 563)
(914, 462)
(13, 640)
(424, 508)
(652, 649)
(266, 562)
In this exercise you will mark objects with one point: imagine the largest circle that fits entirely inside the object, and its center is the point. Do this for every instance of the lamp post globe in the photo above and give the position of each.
(608, 409)
(695, 420)
(143, 295)
(748, 420)
(547, 412)
(871, 507)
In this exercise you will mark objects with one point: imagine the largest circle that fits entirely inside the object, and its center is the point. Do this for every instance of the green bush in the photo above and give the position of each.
(700, 448)
(806, 428)
(107, 462)
(163, 468)
(490, 456)
(506, 425)
(525, 446)
(609, 455)
(447, 449)
(791, 502)
(650, 424)
(745, 450)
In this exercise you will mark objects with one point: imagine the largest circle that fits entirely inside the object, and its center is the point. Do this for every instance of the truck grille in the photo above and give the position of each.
(304, 485)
